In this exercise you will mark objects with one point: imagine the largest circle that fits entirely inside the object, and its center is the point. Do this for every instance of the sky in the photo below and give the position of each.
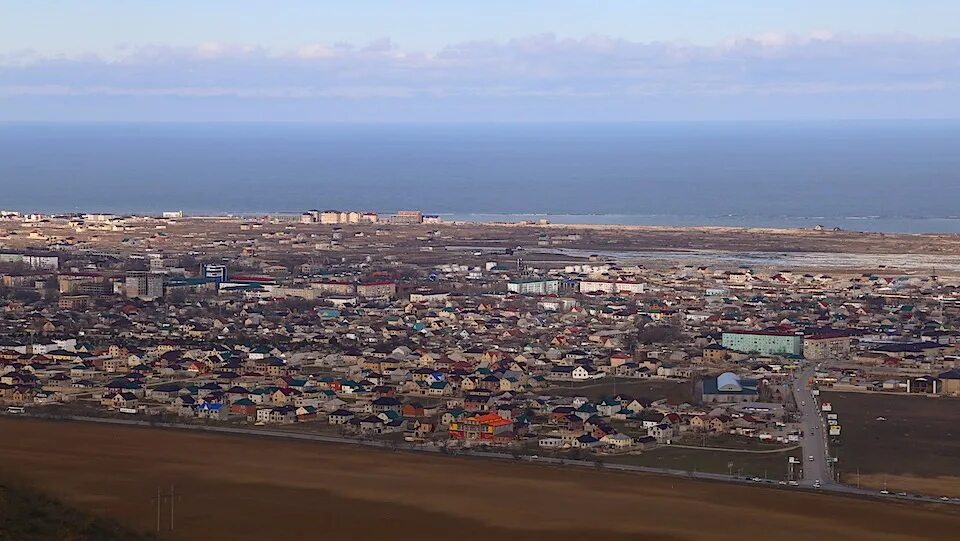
(496, 60)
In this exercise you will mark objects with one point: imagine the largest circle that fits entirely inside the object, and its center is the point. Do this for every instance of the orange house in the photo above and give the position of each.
(488, 427)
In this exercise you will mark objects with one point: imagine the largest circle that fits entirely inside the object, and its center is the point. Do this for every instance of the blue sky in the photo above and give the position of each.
(468, 61)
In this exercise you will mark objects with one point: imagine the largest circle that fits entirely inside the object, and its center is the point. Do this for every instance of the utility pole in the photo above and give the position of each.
(160, 497)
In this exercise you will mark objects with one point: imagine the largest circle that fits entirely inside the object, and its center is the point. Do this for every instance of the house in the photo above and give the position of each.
(244, 407)
(276, 415)
(609, 407)
(584, 372)
(617, 440)
(386, 403)
(662, 432)
(340, 417)
(371, 425)
(489, 427)
(306, 413)
(585, 441)
(215, 412)
(124, 400)
(645, 442)
(550, 443)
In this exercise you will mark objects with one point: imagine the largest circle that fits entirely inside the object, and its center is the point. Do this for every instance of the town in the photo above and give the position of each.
(523, 339)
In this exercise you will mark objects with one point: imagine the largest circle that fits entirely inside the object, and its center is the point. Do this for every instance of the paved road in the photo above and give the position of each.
(814, 439)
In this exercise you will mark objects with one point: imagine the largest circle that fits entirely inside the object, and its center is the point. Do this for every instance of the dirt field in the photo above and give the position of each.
(765, 465)
(236, 488)
(915, 448)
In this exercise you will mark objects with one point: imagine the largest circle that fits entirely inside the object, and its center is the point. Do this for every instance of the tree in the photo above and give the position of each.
(658, 334)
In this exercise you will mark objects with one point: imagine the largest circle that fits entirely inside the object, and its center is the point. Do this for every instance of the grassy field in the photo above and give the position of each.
(245, 488)
(766, 465)
(918, 443)
(654, 389)
(29, 515)
(728, 441)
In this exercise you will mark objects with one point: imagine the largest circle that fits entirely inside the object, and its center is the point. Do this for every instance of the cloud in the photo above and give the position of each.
(821, 62)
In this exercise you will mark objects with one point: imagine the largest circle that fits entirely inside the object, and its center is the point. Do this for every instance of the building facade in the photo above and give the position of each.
(534, 286)
(144, 285)
(764, 342)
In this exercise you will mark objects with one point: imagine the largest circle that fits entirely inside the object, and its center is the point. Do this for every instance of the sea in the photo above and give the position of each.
(889, 176)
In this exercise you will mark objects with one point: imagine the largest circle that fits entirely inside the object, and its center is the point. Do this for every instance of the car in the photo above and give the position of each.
(816, 484)
(902, 494)
(810, 458)
(782, 483)
(794, 483)
(756, 479)
(884, 491)
(944, 499)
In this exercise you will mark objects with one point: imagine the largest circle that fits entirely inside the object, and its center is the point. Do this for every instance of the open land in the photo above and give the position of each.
(914, 449)
(766, 465)
(224, 235)
(274, 490)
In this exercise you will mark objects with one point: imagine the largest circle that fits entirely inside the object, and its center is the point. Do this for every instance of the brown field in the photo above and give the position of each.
(238, 488)
(765, 465)
(915, 449)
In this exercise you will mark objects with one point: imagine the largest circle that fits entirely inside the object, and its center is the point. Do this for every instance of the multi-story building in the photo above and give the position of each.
(39, 262)
(610, 286)
(534, 286)
(332, 287)
(218, 273)
(408, 217)
(764, 342)
(377, 290)
(82, 283)
(144, 285)
(828, 345)
(73, 302)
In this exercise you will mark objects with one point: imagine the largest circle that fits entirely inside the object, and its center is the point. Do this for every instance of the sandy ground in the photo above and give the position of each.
(236, 488)
(943, 485)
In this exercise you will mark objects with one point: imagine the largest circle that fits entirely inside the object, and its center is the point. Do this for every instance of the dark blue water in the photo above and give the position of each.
(878, 175)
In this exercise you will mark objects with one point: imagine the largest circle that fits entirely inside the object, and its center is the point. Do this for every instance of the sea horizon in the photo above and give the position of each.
(862, 175)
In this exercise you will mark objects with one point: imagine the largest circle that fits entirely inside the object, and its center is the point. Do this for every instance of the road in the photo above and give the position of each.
(814, 439)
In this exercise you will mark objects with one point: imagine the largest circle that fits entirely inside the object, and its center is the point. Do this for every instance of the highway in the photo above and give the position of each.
(814, 439)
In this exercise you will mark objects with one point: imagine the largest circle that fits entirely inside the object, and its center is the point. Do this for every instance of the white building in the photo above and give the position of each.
(534, 286)
(611, 287)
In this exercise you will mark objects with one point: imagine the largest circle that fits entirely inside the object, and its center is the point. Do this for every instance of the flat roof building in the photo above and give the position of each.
(763, 342)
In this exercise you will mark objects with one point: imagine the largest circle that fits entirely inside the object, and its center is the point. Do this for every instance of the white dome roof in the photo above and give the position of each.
(729, 382)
